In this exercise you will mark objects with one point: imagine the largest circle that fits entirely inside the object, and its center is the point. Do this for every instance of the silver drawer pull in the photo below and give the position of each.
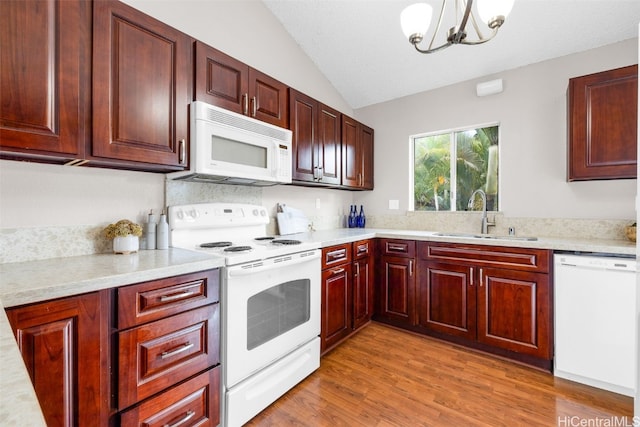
(167, 298)
(337, 271)
(184, 419)
(182, 348)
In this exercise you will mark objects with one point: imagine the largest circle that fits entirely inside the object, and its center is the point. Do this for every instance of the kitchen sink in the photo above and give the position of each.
(486, 236)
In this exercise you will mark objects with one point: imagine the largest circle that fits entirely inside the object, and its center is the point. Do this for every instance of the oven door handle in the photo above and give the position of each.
(258, 266)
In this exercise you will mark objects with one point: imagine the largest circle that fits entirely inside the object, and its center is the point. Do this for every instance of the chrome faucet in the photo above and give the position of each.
(485, 222)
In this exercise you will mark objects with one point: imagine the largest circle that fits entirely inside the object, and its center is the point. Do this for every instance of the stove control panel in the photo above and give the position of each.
(213, 215)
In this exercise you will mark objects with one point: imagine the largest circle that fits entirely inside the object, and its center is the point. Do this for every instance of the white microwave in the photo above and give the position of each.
(229, 148)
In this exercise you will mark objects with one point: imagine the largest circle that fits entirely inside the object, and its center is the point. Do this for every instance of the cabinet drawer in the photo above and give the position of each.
(195, 402)
(334, 255)
(148, 301)
(396, 247)
(495, 256)
(362, 249)
(160, 354)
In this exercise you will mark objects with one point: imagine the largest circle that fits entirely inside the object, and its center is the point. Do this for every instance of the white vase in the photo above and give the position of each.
(126, 245)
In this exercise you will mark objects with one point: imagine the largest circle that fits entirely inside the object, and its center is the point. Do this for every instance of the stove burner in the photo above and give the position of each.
(264, 238)
(286, 242)
(215, 244)
(238, 249)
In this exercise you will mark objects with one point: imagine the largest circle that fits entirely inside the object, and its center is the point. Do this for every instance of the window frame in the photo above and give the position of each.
(453, 177)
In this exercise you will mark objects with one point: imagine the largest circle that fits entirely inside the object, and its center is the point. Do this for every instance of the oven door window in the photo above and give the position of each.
(277, 310)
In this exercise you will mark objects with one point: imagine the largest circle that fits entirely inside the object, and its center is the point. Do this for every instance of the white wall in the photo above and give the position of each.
(532, 116)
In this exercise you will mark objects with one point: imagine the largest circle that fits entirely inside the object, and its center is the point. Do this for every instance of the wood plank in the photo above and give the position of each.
(386, 377)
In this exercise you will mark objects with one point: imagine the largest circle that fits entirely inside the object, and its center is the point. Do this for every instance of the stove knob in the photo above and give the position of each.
(255, 212)
(180, 214)
(263, 212)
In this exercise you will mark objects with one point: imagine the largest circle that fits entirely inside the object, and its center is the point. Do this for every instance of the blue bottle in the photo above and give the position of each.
(361, 218)
(353, 217)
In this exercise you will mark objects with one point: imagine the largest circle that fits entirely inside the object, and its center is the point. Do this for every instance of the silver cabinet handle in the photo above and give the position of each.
(410, 267)
(357, 269)
(184, 347)
(471, 275)
(337, 271)
(254, 108)
(245, 104)
(481, 273)
(183, 152)
(183, 420)
(173, 297)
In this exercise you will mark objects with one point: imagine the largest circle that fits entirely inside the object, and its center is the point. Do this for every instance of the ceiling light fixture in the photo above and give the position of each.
(415, 21)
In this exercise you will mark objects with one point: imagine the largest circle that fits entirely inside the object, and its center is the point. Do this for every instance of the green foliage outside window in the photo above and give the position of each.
(438, 187)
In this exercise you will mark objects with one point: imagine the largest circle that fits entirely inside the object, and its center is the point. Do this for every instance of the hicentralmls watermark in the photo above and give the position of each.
(575, 421)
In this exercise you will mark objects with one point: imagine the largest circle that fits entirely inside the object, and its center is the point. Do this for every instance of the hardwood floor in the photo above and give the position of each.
(386, 377)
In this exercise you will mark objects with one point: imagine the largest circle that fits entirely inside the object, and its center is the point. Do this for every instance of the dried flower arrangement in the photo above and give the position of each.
(122, 228)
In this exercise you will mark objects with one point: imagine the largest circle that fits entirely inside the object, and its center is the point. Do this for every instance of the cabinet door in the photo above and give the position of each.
(141, 87)
(64, 344)
(44, 76)
(447, 298)
(357, 154)
(514, 311)
(336, 306)
(268, 100)
(350, 153)
(603, 118)
(366, 149)
(221, 80)
(329, 145)
(395, 290)
(303, 112)
(362, 291)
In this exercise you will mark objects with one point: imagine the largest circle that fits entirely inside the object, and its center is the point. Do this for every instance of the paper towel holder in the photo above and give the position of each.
(489, 88)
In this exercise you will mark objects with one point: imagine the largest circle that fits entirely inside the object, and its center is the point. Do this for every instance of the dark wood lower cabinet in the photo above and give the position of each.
(514, 310)
(337, 289)
(150, 350)
(347, 291)
(447, 299)
(497, 298)
(64, 344)
(395, 291)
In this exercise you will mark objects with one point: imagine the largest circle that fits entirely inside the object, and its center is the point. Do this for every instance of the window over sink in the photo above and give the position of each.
(448, 166)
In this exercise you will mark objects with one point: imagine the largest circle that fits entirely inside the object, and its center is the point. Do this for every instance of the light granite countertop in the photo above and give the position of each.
(35, 281)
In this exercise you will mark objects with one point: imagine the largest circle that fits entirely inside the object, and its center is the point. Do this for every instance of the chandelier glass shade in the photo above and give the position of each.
(416, 19)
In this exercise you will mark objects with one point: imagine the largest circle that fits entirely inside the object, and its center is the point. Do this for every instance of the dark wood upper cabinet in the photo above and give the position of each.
(316, 140)
(357, 154)
(141, 87)
(45, 78)
(602, 128)
(228, 83)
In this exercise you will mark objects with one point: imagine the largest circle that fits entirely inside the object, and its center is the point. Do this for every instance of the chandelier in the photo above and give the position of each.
(415, 21)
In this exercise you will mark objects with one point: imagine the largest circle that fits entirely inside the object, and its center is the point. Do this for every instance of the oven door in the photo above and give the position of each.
(270, 308)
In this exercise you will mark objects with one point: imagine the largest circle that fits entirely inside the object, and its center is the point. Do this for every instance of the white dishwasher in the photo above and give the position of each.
(595, 326)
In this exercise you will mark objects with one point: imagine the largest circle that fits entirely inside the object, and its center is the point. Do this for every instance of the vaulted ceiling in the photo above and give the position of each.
(360, 47)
